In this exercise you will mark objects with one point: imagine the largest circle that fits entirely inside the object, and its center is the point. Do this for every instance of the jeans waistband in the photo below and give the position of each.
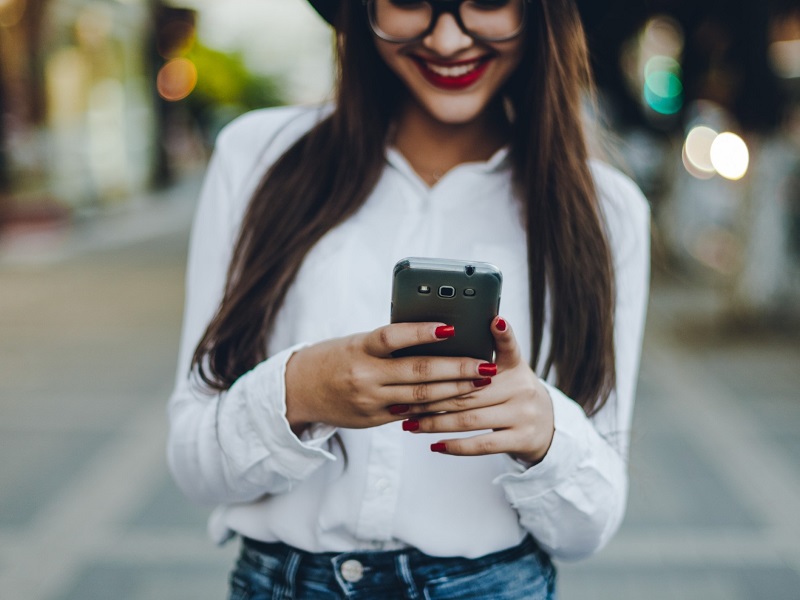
(281, 572)
(416, 559)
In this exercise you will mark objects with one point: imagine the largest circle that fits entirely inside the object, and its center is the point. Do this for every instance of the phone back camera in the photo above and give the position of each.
(447, 291)
(469, 270)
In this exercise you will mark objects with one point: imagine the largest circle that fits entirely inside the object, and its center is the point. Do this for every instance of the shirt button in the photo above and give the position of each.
(352, 570)
(383, 485)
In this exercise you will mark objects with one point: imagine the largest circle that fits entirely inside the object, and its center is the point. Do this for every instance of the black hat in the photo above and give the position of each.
(326, 8)
(588, 8)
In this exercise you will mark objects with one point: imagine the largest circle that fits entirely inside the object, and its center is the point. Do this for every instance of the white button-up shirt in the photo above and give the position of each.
(237, 451)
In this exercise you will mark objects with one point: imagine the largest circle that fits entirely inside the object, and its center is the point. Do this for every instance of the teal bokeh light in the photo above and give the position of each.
(663, 88)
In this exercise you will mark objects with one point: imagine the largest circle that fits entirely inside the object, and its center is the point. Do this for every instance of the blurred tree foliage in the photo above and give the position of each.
(226, 88)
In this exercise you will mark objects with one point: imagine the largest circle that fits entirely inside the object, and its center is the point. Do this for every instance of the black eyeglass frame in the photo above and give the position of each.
(440, 7)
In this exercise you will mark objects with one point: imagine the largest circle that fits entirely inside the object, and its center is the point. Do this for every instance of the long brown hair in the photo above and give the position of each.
(568, 252)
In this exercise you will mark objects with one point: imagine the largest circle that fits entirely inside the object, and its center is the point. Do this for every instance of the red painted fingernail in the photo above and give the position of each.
(445, 331)
(399, 409)
(487, 369)
(439, 447)
(411, 425)
(482, 382)
(501, 324)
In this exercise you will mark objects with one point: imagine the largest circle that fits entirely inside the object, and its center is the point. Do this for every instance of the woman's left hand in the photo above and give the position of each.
(515, 406)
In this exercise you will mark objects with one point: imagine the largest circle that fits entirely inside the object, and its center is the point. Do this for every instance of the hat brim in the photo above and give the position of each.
(326, 8)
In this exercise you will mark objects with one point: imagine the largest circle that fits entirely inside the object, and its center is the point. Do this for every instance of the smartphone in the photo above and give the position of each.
(465, 294)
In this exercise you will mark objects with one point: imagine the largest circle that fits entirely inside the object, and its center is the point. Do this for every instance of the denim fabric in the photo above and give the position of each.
(280, 572)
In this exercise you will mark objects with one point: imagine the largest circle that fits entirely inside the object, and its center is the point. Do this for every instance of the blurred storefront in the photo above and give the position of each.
(78, 122)
(103, 100)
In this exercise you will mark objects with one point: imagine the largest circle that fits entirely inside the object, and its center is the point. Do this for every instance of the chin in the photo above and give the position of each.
(453, 112)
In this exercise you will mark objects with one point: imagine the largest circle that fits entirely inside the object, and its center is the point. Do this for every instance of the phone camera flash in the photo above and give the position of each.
(424, 289)
(469, 292)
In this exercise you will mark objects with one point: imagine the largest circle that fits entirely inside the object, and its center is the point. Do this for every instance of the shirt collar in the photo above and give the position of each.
(497, 162)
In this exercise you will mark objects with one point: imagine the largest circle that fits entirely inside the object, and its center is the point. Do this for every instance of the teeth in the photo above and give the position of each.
(458, 71)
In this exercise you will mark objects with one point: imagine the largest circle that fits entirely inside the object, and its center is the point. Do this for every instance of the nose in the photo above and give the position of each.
(447, 38)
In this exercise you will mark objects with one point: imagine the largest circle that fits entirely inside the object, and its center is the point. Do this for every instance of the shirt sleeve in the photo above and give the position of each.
(234, 446)
(574, 500)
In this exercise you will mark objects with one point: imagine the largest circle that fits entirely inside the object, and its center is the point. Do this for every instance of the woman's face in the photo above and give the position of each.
(452, 76)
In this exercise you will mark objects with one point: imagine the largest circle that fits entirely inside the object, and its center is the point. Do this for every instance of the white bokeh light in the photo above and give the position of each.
(697, 152)
(730, 156)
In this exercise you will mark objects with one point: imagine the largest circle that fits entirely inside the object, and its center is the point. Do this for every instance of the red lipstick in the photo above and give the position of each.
(457, 75)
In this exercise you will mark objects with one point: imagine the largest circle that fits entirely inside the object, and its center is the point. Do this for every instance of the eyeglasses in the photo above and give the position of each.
(403, 21)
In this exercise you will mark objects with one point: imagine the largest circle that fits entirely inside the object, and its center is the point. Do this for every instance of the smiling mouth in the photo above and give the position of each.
(452, 76)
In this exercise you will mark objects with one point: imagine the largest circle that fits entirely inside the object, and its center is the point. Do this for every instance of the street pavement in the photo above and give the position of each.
(88, 341)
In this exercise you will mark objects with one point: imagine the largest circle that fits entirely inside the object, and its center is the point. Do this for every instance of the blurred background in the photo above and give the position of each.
(108, 112)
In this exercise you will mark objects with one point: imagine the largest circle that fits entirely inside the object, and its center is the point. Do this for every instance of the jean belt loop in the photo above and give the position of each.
(290, 568)
(404, 573)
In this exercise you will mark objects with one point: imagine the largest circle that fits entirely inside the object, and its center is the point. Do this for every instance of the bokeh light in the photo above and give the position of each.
(176, 79)
(730, 156)
(662, 35)
(697, 152)
(654, 65)
(663, 89)
(784, 57)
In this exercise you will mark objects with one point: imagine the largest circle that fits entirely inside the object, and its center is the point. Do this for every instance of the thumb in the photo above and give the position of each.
(506, 346)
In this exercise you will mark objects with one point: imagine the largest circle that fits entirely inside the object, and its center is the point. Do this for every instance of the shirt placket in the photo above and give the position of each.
(416, 235)
(382, 486)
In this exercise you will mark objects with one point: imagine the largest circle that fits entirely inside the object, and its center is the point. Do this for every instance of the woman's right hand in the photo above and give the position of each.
(354, 381)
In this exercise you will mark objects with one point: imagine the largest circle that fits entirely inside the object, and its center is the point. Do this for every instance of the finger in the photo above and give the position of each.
(475, 398)
(389, 338)
(476, 419)
(419, 369)
(507, 352)
(494, 442)
(424, 393)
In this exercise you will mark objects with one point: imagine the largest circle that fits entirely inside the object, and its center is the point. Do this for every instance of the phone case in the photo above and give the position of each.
(421, 292)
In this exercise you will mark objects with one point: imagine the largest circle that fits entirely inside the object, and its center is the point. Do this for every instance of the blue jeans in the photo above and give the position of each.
(280, 572)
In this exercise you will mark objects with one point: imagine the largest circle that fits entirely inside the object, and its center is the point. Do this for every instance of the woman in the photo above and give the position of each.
(456, 133)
